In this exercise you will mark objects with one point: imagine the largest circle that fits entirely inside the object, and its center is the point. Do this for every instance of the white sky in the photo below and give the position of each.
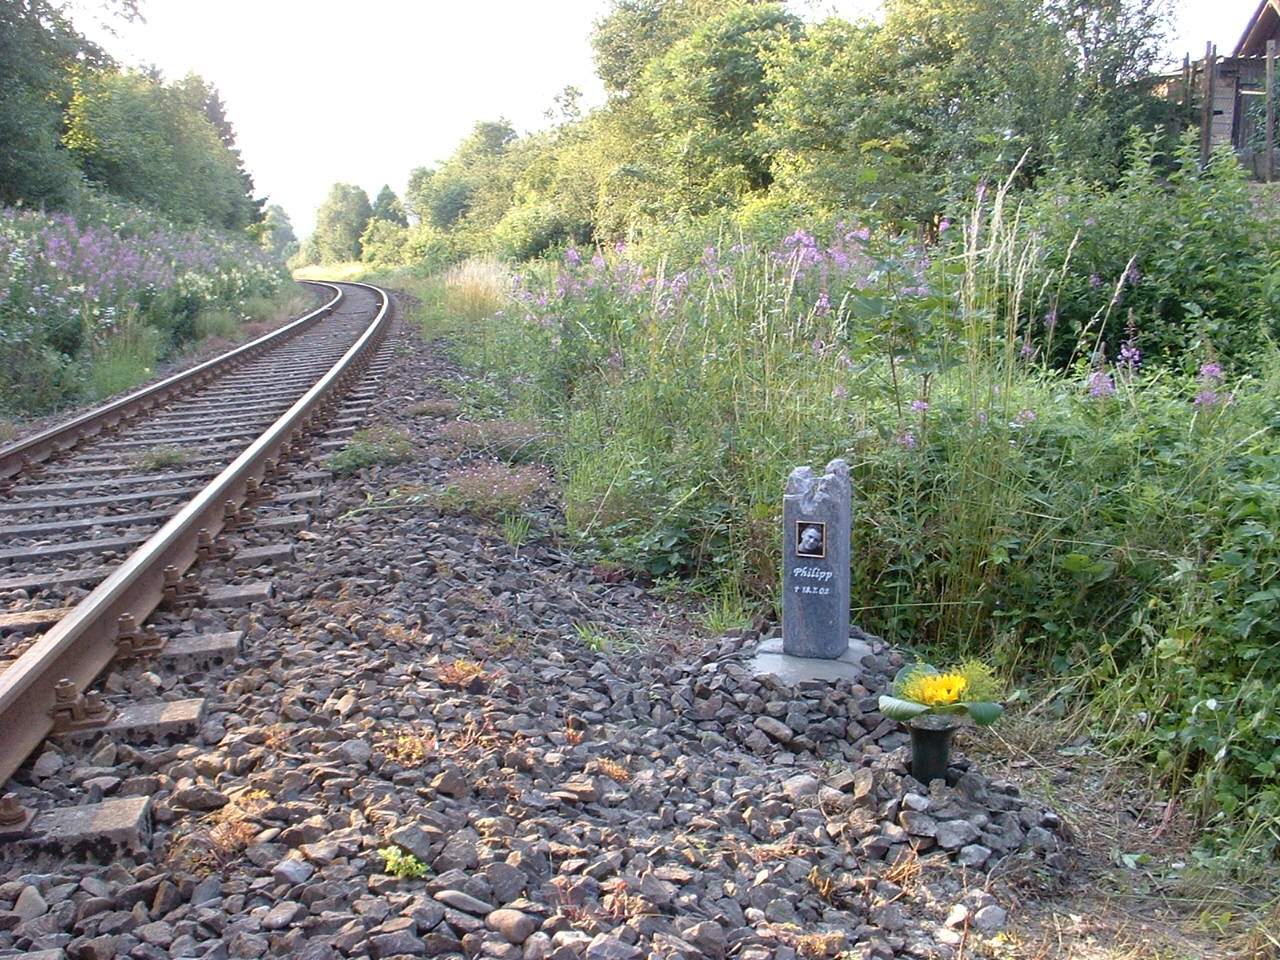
(415, 75)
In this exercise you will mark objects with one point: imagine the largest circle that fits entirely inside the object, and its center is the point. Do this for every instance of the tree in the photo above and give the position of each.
(706, 95)
(472, 190)
(38, 48)
(146, 142)
(910, 114)
(277, 232)
(634, 33)
(387, 207)
(383, 242)
(340, 222)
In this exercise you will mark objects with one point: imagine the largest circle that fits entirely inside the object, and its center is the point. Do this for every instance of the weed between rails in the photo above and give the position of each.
(369, 447)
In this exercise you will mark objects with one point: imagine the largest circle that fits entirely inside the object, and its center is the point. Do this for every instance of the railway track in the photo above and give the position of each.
(102, 517)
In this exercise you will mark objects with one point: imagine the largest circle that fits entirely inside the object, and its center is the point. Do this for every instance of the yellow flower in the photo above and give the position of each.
(934, 689)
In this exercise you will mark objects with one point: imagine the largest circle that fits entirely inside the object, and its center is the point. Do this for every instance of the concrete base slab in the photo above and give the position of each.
(99, 831)
(251, 557)
(770, 659)
(240, 595)
(312, 495)
(283, 523)
(203, 651)
(163, 722)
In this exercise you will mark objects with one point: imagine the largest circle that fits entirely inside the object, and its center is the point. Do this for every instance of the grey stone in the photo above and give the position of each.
(709, 937)
(973, 855)
(513, 925)
(464, 902)
(47, 765)
(394, 944)
(816, 517)
(607, 947)
(30, 904)
(775, 729)
(507, 881)
(282, 915)
(990, 918)
(355, 751)
(292, 870)
(954, 834)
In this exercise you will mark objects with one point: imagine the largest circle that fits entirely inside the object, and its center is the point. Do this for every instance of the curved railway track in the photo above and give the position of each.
(101, 517)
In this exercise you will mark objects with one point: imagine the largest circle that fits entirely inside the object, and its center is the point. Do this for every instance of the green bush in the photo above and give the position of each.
(1176, 257)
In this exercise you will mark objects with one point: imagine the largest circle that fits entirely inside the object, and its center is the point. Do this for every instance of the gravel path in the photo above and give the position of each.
(581, 770)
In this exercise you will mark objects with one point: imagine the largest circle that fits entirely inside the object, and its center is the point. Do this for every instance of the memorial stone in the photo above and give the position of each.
(816, 517)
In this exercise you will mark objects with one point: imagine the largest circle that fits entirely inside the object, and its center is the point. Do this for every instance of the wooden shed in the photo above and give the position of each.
(1227, 95)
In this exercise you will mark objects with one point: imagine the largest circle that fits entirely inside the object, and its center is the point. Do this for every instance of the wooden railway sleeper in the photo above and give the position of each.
(135, 641)
(180, 591)
(73, 710)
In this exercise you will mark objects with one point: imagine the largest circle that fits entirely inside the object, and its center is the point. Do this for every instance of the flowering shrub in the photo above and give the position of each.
(68, 286)
(1177, 252)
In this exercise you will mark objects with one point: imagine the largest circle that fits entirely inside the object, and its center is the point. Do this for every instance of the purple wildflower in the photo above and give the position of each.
(1101, 385)
(1130, 355)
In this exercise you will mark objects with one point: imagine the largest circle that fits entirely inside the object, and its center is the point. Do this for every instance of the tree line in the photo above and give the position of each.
(741, 108)
(73, 120)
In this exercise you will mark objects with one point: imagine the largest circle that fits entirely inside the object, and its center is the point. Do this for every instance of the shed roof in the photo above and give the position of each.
(1264, 26)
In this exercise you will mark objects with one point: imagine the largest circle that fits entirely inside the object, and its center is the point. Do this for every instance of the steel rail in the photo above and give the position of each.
(84, 642)
(19, 456)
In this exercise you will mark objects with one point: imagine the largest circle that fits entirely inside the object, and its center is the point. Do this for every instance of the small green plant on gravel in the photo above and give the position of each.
(599, 639)
(376, 445)
(207, 847)
(409, 748)
(489, 489)
(727, 609)
(219, 837)
(400, 863)
(592, 636)
(516, 528)
(162, 458)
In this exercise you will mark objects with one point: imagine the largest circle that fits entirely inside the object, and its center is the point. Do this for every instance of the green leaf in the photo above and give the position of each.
(895, 708)
(983, 712)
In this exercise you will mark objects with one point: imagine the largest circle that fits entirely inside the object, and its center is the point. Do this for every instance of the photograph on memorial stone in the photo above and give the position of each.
(811, 539)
